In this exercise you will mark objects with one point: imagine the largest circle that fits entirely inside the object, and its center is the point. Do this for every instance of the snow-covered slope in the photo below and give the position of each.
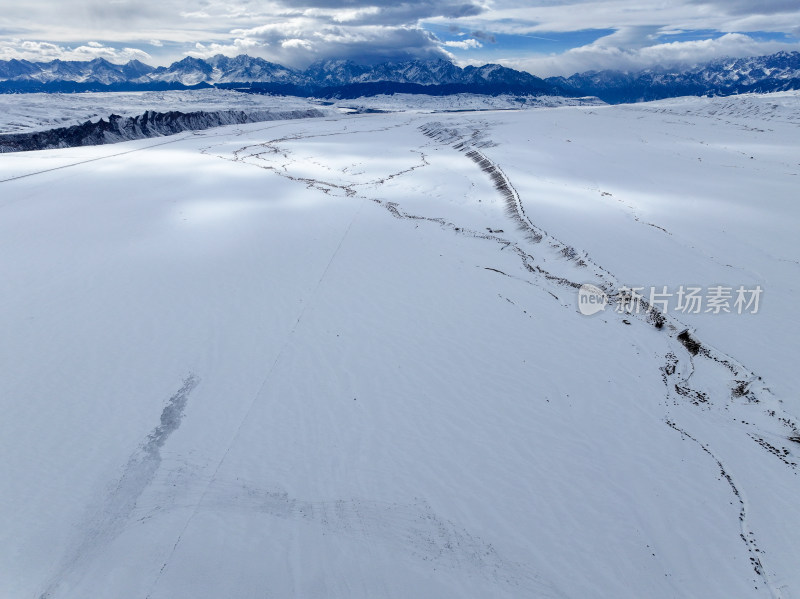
(39, 112)
(458, 102)
(344, 358)
(777, 110)
(46, 121)
(150, 124)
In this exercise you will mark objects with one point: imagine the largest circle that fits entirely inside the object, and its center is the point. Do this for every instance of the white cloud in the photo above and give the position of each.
(465, 44)
(297, 43)
(286, 30)
(35, 51)
(238, 46)
(343, 15)
(298, 40)
(604, 55)
(520, 17)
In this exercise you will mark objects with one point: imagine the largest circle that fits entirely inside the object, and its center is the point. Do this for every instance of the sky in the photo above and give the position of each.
(547, 37)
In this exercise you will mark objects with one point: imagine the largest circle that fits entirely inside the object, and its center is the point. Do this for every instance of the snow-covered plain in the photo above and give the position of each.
(24, 113)
(343, 357)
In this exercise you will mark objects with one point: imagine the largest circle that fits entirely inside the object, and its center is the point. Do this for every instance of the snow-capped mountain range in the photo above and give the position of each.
(246, 69)
(343, 78)
(98, 70)
(722, 77)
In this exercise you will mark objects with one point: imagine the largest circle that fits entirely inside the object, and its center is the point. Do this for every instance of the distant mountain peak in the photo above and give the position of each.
(721, 77)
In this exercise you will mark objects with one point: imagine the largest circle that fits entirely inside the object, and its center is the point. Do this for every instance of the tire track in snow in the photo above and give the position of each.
(743, 378)
(404, 529)
(108, 520)
(747, 536)
(470, 144)
(58, 168)
(744, 382)
(565, 266)
(412, 529)
(250, 408)
(272, 148)
(576, 264)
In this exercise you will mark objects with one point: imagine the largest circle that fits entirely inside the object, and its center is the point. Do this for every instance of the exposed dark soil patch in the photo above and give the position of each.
(691, 344)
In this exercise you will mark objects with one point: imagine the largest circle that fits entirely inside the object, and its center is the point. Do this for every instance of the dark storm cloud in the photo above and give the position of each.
(484, 37)
(750, 7)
